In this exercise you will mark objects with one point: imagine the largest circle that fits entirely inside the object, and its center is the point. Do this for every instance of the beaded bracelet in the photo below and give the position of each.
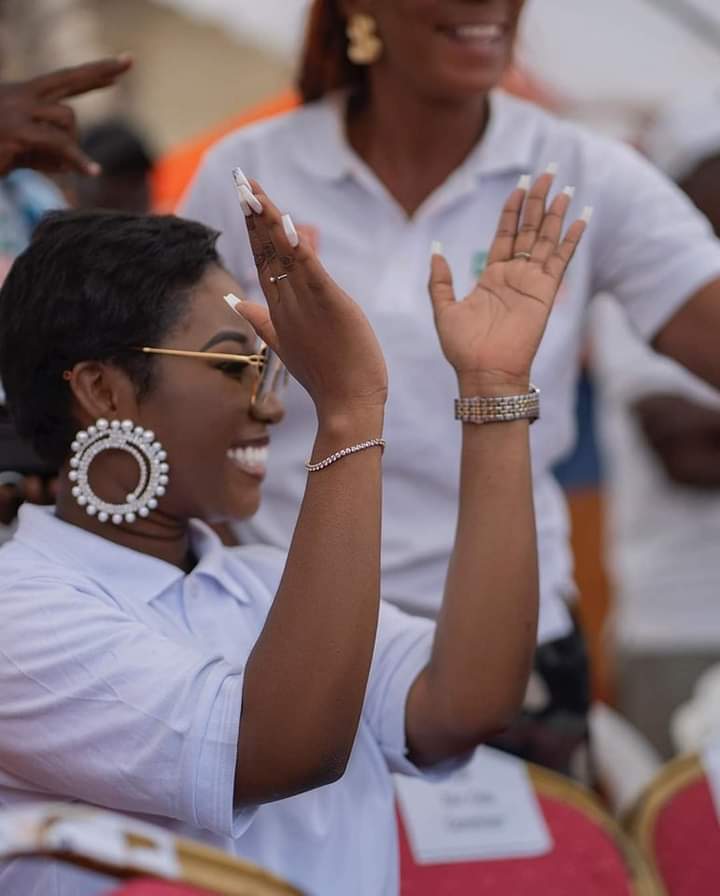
(345, 452)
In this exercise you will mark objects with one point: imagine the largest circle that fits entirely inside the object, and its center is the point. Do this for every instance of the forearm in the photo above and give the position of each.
(684, 436)
(691, 335)
(307, 675)
(487, 626)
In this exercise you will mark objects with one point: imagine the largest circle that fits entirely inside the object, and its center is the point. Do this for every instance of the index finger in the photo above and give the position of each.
(79, 79)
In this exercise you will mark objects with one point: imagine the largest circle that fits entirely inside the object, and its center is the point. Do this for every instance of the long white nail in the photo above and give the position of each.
(569, 191)
(233, 301)
(437, 248)
(587, 213)
(251, 199)
(290, 232)
(524, 182)
(552, 168)
(240, 181)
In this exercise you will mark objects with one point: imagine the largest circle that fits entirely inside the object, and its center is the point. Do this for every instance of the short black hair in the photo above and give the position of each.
(91, 286)
(117, 147)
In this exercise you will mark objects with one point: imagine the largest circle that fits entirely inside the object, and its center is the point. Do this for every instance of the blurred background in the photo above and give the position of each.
(200, 61)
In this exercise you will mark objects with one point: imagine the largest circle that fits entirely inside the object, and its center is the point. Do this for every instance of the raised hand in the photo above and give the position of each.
(320, 333)
(494, 332)
(38, 130)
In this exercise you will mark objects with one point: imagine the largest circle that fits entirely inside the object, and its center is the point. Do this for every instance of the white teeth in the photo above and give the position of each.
(252, 458)
(478, 32)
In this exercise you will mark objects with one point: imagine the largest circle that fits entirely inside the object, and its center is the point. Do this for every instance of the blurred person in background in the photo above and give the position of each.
(126, 161)
(660, 435)
(38, 139)
(403, 140)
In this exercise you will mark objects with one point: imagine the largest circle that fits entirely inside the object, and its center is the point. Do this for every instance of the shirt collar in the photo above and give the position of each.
(114, 567)
(506, 146)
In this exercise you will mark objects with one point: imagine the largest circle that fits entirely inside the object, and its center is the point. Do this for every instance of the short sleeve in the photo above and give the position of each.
(652, 249)
(98, 707)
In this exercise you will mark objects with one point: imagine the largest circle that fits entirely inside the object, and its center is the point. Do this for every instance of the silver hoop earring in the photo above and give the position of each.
(140, 444)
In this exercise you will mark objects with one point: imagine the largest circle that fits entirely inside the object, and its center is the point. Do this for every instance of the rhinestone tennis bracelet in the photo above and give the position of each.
(345, 452)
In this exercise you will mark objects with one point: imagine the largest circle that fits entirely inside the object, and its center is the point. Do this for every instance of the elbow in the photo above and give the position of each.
(471, 726)
(328, 769)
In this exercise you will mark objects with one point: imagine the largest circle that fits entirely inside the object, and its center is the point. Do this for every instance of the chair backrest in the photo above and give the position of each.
(127, 848)
(148, 887)
(590, 855)
(675, 824)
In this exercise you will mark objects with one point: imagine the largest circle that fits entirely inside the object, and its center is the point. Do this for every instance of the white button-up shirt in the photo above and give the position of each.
(646, 244)
(121, 686)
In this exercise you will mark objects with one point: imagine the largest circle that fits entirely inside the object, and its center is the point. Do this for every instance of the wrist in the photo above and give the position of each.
(350, 425)
(491, 384)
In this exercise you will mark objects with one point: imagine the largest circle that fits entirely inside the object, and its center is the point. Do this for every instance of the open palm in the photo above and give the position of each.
(498, 326)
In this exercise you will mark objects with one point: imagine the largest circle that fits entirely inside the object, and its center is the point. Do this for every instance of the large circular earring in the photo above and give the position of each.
(364, 44)
(140, 444)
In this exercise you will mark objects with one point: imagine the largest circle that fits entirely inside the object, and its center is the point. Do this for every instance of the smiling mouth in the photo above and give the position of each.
(251, 459)
(486, 35)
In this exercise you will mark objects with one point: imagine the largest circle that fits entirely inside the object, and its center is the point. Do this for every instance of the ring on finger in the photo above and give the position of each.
(526, 255)
(278, 278)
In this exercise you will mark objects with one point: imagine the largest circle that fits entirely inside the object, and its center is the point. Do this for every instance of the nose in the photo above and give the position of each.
(268, 409)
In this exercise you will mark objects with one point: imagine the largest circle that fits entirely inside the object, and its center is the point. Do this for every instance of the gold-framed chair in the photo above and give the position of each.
(676, 826)
(125, 848)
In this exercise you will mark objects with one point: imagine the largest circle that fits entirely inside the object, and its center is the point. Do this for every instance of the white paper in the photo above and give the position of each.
(486, 810)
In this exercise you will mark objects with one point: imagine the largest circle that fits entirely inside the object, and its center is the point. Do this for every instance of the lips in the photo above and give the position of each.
(251, 459)
(474, 33)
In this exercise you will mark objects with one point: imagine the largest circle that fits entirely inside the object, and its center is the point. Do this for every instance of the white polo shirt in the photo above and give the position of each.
(662, 537)
(646, 243)
(121, 683)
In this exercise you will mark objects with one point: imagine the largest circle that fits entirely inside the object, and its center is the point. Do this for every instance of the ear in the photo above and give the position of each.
(101, 390)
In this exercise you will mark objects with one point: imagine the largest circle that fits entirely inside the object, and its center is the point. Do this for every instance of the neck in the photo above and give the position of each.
(413, 143)
(159, 535)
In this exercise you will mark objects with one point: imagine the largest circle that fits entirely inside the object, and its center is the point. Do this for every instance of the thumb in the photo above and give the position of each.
(440, 286)
(258, 317)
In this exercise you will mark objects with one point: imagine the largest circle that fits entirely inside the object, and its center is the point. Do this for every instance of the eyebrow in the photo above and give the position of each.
(225, 336)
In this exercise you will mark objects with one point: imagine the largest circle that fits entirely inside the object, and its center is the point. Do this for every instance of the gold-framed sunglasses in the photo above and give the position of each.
(271, 375)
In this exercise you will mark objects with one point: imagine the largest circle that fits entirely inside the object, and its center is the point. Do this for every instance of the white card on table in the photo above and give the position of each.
(486, 810)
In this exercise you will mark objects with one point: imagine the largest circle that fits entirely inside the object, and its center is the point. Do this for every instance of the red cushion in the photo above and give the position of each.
(686, 841)
(157, 888)
(585, 860)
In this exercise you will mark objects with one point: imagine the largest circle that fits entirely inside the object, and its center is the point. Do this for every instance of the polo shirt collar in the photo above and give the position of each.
(506, 146)
(113, 566)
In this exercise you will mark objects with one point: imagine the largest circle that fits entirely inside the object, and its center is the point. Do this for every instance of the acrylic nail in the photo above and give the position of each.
(240, 179)
(587, 213)
(552, 168)
(251, 199)
(437, 248)
(524, 182)
(290, 232)
(569, 191)
(233, 301)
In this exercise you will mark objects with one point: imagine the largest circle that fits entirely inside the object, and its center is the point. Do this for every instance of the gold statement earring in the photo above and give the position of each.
(364, 46)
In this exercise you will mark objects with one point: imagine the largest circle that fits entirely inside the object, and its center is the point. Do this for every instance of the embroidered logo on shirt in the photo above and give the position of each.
(478, 262)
